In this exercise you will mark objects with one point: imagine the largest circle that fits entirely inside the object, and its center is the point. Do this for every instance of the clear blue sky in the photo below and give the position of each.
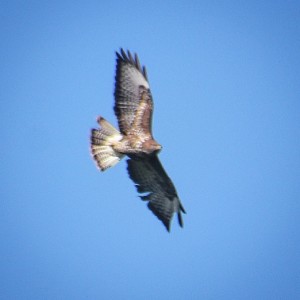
(225, 77)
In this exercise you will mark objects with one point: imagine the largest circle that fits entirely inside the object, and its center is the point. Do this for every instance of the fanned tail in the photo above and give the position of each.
(102, 142)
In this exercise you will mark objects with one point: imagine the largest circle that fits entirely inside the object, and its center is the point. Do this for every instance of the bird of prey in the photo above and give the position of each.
(134, 139)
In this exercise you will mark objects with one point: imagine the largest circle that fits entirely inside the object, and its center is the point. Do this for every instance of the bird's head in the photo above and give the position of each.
(152, 146)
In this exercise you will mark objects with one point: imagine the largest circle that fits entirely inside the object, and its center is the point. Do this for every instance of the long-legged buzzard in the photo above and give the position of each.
(133, 108)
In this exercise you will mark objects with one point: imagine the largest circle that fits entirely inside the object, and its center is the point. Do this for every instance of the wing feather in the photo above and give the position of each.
(156, 187)
(133, 99)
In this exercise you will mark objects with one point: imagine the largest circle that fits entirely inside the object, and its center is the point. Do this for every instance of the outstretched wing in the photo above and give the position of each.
(133, 100)
(156, 187)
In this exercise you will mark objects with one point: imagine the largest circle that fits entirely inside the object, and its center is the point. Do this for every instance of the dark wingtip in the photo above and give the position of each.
(119, 56)
(145, 72)
(132, 59)
(182, 209)
(180, 221)
(167, 225)
(164, 220)
(137, 62)
(123, 53)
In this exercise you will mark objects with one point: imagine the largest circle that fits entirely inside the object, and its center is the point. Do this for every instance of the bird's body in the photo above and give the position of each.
(134, 108)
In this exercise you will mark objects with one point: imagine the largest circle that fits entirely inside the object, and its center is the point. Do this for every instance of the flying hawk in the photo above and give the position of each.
(133, 108)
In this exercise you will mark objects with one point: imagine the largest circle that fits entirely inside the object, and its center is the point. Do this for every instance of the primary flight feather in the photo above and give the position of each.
(134, 108)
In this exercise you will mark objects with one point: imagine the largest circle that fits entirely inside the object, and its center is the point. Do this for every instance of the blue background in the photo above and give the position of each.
(225, 77)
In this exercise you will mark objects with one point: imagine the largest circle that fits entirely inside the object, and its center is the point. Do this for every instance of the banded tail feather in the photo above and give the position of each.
(102, 142)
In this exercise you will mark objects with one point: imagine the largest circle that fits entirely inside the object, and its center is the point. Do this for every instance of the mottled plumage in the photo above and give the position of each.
(134, 108)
